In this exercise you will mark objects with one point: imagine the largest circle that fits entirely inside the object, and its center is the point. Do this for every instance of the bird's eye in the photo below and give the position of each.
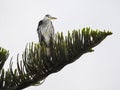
(47, 15)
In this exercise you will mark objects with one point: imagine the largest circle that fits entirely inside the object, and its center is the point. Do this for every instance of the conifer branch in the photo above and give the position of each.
(35, 65)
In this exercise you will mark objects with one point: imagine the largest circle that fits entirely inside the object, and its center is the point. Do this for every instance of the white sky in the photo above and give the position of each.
(99, 70)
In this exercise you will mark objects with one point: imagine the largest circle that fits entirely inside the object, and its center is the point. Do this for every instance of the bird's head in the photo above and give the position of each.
(49, 17)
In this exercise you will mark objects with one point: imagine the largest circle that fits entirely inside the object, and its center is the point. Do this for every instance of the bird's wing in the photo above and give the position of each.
(39, 31)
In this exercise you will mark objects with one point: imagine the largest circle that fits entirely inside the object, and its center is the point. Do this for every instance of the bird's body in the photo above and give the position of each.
(45, 30)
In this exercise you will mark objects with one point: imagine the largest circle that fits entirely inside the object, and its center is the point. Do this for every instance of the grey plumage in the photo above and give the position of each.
(45, 29)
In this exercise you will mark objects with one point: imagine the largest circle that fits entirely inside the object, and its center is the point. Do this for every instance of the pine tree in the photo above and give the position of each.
(35, 65)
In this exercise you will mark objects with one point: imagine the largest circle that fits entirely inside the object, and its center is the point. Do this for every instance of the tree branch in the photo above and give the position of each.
(35, 65)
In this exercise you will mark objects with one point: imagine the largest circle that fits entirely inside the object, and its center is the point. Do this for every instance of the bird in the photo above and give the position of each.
(45, 30)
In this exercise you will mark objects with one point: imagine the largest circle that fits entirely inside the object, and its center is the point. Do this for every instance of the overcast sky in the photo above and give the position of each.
(99, 70)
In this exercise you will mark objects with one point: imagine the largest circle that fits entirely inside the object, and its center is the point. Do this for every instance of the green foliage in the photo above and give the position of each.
(35, 65)
(3, 56)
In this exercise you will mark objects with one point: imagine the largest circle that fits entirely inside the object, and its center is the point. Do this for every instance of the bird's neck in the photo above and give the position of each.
(47, 20)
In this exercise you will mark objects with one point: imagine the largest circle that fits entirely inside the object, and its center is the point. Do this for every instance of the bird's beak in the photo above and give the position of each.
(53, 18)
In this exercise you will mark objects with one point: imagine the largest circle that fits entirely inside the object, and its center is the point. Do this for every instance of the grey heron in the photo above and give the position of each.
(45, 29)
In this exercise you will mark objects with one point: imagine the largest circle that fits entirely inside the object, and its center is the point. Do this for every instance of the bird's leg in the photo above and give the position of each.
(48, 51)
